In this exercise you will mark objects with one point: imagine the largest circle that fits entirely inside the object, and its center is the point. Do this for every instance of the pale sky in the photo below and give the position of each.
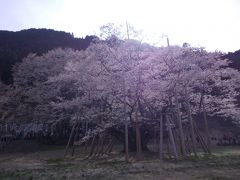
(214, 24)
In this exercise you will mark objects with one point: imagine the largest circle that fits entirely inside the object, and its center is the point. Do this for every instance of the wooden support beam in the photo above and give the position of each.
(161, 137)
(206, 127)
(179, 121)
(172, 138)
(70, 139)
(193, 136)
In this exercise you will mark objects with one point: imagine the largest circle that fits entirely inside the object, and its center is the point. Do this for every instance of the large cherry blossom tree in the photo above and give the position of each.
(119, 84)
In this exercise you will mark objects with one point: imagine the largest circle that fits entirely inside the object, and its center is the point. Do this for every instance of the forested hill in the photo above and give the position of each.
(16, 45)
(234, 58)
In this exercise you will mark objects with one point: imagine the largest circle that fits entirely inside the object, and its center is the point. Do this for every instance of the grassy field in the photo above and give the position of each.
(224, 164)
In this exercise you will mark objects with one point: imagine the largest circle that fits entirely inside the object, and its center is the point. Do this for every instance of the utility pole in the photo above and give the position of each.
(166, 36)
(127, 30)
(168, 42)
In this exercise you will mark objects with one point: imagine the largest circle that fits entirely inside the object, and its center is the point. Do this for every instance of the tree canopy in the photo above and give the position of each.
(14, 46)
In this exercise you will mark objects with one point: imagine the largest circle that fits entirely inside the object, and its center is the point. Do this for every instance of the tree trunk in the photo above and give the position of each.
(132, 145)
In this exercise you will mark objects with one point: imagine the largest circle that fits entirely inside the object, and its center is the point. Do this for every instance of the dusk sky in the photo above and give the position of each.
(214, 24)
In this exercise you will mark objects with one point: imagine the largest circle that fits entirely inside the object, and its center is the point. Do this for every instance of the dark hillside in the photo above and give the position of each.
(16, 45)
(234, 58)
(235, 63)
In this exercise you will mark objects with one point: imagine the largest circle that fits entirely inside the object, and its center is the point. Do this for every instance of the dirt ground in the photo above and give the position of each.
(48, 163)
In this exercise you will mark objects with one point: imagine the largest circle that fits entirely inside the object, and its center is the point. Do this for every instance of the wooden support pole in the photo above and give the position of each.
(73, 146)
(206, 127)
(70, 138)
(179, 120)
(93, 144)
(108, 146)
(138, 137)
(155, 139)
(188, 145)
(125, 121)
(161, 137)
(193, 136)
(172, 138)
(201, 140)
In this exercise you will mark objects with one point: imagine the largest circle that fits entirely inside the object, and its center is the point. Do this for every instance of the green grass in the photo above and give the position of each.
(224, 164)
(16, 175)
